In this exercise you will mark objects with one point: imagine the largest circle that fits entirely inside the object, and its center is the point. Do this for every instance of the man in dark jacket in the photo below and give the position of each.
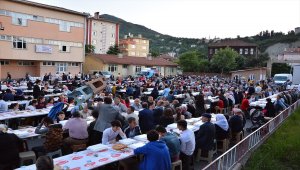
(10, 146)
(146, 120)
(37, 90)
(133, 129)
(206, 135)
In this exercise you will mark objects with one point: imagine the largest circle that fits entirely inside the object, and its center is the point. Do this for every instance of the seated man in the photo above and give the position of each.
(156, 154)
(133, 129)
(130, 113)
(9, 149)
(172, 142)
(94, 136)
(78, 133)
(3, 104)
(32, 106)
(110, 134)
(206, 135)
(137, 105)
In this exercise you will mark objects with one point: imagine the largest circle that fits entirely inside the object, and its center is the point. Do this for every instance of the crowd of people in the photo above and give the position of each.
(124, 114)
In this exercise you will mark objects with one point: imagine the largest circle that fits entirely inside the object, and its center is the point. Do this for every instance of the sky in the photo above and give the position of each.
(197, 18)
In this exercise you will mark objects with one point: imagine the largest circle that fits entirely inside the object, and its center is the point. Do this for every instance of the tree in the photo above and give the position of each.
(113, 50)
(224, 60)
(193, 61)
(278, 68)
(154, 53)
(240, 62)
(89, 49)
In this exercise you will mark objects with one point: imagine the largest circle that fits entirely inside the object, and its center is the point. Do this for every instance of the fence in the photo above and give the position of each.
(229, 159)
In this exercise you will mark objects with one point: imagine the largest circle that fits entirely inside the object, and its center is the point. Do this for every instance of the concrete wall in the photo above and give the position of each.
(91, 63)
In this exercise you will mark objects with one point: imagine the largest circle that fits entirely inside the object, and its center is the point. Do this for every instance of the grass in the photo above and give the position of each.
(282, 150)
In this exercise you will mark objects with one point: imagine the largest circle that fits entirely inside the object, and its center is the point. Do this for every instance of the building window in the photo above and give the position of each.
(241, 51)
(95, 33)
(136, 40)
(251, 77)
(112, 35)
(19, 21)
(64, 48)
(74, 64)
(251, 51)
(144, 48)
(138, 69)
(48, 63)
(246, 51)
(216, 50)
(112, 68)
(19, 43)
(132, 46)
(132, 53)
(210, 51)
(4, 62)
(94, 42)
(26, 63)
(144, 41)
(125, 65)
(61, 67)
(144, 55)
(158, 69)
(172, 69)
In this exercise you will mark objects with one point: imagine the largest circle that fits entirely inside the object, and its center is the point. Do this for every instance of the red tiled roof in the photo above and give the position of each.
(232, 43)
(166, 57)
(143, 61)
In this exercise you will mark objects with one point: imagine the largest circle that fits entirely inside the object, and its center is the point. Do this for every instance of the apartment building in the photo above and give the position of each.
(36, 39)
(101, 33)
(134, 46)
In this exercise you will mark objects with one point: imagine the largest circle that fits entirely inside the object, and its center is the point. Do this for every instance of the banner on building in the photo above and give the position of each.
(43, 49)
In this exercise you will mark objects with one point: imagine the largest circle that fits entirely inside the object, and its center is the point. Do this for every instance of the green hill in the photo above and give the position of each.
(159, 43)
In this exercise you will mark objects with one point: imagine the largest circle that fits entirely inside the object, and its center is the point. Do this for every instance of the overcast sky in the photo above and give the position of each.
(197, 18)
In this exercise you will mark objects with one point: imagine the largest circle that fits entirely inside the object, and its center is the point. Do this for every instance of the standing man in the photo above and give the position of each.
(107, 114)
(206, 134)
(187, 147)
(146, 120)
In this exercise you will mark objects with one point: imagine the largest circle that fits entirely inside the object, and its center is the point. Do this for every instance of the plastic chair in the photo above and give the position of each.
(176, 164)
(25, 156)
(224, 145)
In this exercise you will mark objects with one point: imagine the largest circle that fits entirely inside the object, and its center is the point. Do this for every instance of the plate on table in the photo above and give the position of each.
(97, 147)
(127, 141)
(136, 145)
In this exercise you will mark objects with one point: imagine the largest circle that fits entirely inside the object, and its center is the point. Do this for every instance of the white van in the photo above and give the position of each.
(280, 79)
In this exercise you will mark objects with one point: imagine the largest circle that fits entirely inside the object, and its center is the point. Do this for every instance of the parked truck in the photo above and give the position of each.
(281, 79)
(296, 74)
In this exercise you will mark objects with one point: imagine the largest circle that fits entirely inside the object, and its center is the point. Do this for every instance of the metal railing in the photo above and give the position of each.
(231, 157)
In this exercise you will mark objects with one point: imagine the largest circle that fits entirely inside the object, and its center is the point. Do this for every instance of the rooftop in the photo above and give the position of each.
(249, 69)
(143, 61)
(232, 43)
(50, 7)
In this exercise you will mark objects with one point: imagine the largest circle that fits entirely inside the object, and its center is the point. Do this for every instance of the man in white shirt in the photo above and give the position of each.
(187, 146)
(3, 105)
(110, 134)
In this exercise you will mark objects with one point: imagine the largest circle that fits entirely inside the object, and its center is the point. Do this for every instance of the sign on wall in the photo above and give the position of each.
(43, 49)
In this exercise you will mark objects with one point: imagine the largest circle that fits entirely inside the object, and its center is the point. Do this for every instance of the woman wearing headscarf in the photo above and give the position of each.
(222, 127)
